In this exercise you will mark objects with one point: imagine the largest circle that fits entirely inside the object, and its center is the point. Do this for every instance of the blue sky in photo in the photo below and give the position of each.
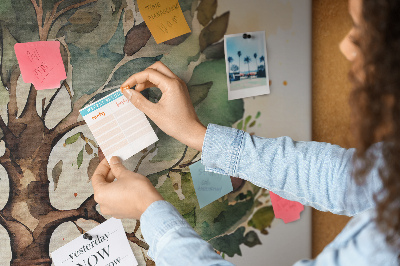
(248, 47)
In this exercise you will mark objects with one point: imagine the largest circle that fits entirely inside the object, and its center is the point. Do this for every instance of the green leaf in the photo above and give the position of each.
(240, 125)
(168, 148)
(73, 138)
(258, 114)
(199, 92)
(79, 159)
(56, 172)
(229, 244)
(262, 219)
(246, 121)
(216, 108)
(191, 217)
(214, 31)
(206, 10)
(215, 51)
(251, 239)
(252, 124)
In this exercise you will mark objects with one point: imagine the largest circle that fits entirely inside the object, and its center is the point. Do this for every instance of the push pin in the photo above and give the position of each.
(246, 36)
(87, 236)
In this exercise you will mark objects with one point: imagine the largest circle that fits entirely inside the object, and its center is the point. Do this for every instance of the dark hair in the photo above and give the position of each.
(375, 103)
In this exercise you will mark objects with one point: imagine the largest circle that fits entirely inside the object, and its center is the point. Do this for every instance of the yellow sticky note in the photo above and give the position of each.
(164, 18)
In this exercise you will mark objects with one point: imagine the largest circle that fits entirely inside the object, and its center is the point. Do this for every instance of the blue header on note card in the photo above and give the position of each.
(96, 105)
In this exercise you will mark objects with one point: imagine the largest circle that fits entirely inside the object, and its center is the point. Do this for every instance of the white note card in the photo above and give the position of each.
(108, 247)
(118, 126)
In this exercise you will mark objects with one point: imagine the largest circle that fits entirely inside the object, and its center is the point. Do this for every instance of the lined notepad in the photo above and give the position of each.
(118, 126)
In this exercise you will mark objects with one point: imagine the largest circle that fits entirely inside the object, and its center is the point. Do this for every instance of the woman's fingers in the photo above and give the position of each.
(158, 79)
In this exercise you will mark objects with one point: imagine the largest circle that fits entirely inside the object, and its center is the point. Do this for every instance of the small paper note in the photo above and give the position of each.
(118, 126)
(284, 209)
(164, 18)
(209, 186)
(108, 246)
(41, 63)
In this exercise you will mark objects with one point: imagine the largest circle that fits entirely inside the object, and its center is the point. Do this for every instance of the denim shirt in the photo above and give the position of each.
(312, 173)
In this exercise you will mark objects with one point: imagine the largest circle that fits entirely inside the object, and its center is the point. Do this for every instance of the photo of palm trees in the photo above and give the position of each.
(246, 64)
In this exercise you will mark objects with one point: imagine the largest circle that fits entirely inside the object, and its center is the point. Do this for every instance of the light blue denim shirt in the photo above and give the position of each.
(312, 173)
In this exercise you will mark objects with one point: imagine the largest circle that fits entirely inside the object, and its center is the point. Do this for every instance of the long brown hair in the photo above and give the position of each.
(375, 101)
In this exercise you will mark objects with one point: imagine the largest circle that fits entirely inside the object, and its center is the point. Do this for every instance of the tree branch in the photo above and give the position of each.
(12, 104)
(46, 109)
(30, 106)
(62, 11)
(131, 237)
(39, 15)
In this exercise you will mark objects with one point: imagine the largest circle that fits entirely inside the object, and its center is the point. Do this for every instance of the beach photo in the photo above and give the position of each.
(246, 64)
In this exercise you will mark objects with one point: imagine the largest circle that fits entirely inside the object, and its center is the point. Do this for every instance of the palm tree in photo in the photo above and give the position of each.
(247, 60)
(263, 70)
(230, 60)
(255, 60)
(239, 55)
(262, 59)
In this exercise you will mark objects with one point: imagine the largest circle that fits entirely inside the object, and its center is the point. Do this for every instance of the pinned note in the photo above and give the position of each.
(107, 245)
(118, 126)
(209, 186)
(284, 209)
(41, 63)
(164, 18)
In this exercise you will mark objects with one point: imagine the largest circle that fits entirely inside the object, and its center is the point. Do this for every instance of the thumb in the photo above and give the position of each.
(138, 100)
(117, 168)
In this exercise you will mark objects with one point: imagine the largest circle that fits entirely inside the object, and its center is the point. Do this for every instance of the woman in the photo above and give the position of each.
(317, 174)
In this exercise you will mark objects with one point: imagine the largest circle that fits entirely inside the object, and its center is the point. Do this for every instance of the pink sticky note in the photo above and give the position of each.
(286, 210)
(41, 63)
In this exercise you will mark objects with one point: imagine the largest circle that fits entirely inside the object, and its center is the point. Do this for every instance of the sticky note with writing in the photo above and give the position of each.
(284, 209)
(41, 63)
(108, 246)
(118, 126)
(164, 18)
(209, 186)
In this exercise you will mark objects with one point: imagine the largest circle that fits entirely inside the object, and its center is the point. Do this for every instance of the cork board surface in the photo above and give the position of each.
(330, 97)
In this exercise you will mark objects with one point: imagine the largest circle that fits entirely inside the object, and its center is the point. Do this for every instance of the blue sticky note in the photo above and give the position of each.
(209, 186)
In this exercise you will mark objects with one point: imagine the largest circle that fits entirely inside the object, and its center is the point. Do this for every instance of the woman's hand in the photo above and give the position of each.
(174, 113)
(128, 196)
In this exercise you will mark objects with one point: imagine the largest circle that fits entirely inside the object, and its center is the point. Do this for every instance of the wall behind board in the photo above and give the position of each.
(330, 94)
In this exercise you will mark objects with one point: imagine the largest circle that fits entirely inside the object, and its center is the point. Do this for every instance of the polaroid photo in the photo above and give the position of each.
(246, 64)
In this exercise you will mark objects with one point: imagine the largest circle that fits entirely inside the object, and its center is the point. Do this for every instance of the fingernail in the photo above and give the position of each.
(115, 160)
(125, 88)
(127, 93)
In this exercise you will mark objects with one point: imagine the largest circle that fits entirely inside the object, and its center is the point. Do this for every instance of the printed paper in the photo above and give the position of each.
(118, 126)
(246, 64)
(164, 18)
(108, 246)
(41, 63)
(209, 186)
(284, 209)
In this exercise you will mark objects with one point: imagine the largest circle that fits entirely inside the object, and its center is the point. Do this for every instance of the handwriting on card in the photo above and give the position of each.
(209, 186)
(109, 246)
(118, 126)
(164, 19)
(41, 63)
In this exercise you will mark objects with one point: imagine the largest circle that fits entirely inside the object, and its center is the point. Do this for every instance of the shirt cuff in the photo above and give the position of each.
(222, 148)
(159, 218)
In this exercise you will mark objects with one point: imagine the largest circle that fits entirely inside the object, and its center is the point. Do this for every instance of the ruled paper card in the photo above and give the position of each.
(118, 126)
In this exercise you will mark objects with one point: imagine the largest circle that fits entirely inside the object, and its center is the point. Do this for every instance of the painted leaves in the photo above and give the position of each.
(230, 243)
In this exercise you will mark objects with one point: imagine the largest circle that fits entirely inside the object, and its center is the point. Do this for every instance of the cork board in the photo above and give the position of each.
(330, 96)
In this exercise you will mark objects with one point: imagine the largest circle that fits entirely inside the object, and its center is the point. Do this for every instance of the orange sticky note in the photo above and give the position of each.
(41, 63)
(164, 18)
(284, 209)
